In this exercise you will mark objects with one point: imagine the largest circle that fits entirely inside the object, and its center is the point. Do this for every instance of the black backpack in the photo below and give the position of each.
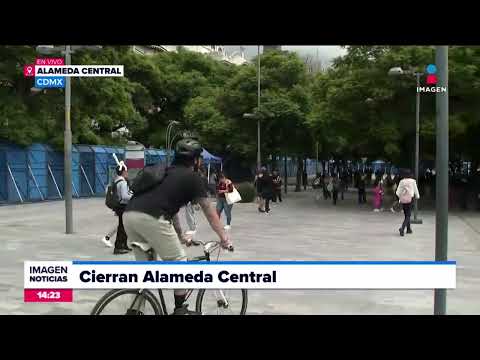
(148, 178)
(111, 199)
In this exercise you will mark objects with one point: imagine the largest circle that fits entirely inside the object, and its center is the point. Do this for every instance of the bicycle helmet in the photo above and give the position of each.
(189, 148)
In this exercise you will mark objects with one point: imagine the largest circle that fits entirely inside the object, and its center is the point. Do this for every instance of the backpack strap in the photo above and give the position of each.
(116, 182)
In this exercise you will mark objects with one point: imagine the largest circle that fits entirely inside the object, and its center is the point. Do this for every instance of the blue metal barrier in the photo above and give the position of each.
(37, 173)
(87, 170)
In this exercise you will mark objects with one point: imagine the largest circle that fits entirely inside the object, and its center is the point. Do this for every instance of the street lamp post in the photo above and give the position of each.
(441, 218)
(67, 50)
(416, 220)
(399, 71)
(68, 149)
(259, 160)
(257, 115)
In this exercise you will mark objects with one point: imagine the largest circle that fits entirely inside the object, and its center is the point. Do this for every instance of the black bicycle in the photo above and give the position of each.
(208, 302)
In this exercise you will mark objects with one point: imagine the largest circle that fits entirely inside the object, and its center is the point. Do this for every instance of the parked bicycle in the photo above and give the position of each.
(208, 301)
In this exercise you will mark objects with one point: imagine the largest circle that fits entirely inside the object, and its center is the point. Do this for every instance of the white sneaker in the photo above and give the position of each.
(227, 227)
(376, 210)
(106, 241)
(392, 210)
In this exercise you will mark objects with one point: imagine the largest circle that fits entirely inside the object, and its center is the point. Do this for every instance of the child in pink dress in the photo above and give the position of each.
(377, 195)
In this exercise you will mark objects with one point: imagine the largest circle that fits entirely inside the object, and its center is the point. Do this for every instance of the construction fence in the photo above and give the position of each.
(36, 172)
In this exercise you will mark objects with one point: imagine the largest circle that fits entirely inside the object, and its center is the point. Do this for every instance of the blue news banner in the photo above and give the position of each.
(49, 82)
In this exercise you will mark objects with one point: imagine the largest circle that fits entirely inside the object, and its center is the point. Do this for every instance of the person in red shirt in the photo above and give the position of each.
(224, 185)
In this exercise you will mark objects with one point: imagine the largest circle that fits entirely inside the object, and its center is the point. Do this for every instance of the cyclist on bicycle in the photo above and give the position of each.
(151, 219)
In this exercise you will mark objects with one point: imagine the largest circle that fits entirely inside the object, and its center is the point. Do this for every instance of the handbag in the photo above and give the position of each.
(397, 206)
(233, 197)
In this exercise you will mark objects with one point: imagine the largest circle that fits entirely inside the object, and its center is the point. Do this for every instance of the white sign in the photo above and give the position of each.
(240, 275)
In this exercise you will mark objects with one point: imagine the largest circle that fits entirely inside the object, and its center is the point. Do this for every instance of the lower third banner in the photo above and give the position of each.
(240, 275)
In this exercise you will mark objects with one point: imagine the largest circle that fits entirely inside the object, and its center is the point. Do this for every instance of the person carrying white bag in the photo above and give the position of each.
(227, 195)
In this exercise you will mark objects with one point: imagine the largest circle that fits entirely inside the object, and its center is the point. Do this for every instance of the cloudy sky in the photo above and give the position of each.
(325, 53)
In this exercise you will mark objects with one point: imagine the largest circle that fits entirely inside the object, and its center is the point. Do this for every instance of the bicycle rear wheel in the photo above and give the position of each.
(222, 302)
(119, 302)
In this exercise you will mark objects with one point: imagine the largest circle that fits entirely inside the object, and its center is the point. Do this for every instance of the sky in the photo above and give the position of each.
(325, 53)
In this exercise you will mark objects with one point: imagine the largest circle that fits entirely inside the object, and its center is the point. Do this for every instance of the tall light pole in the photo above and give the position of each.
(441, 218)
(395, 72)
(67, 50)
(416, 220)
(259, 160)
(257, 114)
(67, 152)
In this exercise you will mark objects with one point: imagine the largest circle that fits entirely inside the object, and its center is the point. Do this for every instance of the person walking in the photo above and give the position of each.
(328, 186)
(317, 185)
(335, 188)
(191, 207)
(258, 186)
(305, 179)
(277, 186)
(266, 189)
(224, 186)
(124, 195)
(377, 195)
(361, 185)
(343, 183)
(407, 190)
(390, 198)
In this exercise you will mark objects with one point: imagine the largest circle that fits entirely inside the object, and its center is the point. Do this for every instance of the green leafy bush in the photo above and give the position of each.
(247, 192)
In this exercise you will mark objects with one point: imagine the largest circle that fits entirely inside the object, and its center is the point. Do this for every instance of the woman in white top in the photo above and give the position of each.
(407, 190)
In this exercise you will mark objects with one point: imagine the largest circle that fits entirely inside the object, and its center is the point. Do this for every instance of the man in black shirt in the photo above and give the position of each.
(266, 185)
(361, 185)
(151, 219)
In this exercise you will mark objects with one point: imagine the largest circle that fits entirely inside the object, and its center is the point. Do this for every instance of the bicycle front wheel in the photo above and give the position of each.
(222, 302)
(128, 302)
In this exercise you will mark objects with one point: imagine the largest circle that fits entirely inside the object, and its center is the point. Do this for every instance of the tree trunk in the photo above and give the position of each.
(298, 185)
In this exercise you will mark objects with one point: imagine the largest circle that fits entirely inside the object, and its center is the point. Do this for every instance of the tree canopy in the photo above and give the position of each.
(352, 109)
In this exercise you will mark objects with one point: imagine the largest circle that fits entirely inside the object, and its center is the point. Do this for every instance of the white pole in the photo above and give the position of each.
(14, 183)
(208, 173)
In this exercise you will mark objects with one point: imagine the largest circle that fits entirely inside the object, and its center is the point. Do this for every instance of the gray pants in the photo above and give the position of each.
(146, 232)
(158, 235)
(190, 217)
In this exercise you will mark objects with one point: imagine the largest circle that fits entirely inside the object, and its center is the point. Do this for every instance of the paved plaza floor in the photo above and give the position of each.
(297, 229)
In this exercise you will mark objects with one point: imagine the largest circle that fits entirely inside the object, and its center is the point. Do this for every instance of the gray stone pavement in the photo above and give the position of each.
(297, 229)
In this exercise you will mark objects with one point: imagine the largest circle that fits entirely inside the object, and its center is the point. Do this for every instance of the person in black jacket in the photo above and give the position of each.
(361, 185)
(305, 179)
(258, 186)
(266, 186)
